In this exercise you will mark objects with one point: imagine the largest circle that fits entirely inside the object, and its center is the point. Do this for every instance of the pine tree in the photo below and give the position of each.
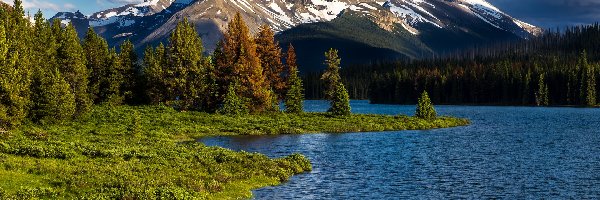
(331, 76)
(591, 87)
(153, 74)
(269, 53)
(72, 67)
(584, 68)
(335, 91)
(185, 73)
(236, 59)
(294, 99)
(16, 71)
(97, 57)
(115, 78)
(340, 102)
(54, 100)
(211, 99)
(541, 96)
(425, 109)
(233, 104)
(129, 70)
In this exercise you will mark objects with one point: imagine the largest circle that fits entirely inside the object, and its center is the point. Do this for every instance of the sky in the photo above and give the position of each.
(552, 13)
(542, 13)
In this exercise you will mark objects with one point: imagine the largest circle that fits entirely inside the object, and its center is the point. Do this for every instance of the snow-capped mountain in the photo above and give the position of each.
(421, 21)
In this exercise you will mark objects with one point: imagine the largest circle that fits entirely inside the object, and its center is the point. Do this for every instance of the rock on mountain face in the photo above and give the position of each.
(402, 28)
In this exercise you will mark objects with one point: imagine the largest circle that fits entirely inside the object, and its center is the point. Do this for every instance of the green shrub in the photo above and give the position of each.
(36, 133)
(35, 192)
(135, 129)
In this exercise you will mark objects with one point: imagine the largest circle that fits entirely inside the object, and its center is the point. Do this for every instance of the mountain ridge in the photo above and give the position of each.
(422, 22)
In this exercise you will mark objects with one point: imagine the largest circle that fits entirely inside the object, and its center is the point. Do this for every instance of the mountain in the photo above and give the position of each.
(364, 30)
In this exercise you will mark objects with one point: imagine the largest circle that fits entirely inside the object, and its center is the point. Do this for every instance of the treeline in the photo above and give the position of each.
(47, 74)
(557, 68)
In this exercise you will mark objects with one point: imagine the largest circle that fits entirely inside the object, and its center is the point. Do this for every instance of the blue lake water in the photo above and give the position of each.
(507, 152)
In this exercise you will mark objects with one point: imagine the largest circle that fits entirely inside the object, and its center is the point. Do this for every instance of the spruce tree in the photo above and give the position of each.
(294, 99)
(129, 70)
(185, 73)
(591, 87)
(331, 76)
(269, 53)
(16, 71)
(54, 100)
(236, 59)
(233, 104)
(425, 109)
(541, 95)
(97, 57)
(73, 68)
(153, 74)
(340, 102)
(111, 88)
(335, 91)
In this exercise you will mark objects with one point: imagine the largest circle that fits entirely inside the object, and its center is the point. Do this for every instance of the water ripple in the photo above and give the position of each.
(507, 153)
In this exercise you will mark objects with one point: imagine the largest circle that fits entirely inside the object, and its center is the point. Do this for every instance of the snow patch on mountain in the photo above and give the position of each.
(330, 9)
(407, 13)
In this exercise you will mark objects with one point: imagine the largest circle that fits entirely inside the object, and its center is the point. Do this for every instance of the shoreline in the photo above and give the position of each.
(152, 151)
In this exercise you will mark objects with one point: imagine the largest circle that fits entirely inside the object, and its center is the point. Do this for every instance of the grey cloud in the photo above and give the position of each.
(552, 13)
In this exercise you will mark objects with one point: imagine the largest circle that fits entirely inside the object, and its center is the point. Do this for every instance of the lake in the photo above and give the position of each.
(507, 152)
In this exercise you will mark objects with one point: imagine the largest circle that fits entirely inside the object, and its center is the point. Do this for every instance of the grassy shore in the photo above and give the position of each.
(149, 153)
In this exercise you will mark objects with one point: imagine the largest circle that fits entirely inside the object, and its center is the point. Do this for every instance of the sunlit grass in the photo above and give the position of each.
(150, 152)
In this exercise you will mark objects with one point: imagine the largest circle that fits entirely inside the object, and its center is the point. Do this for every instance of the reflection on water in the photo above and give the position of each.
(508, 152)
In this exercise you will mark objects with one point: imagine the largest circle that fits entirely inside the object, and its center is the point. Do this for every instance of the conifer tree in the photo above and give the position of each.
(269, 53)
(72, 66)
(233, 104)
(335, 91)
(237, 60)
(153, 73)
(129, 70)
(425, 109)
(57, 30)
(583, 66)
(111, 88)
(340, 102)
(185, 74)
(294, 99)
(211, 99)
(97, 57)
(16, 70)
(591, 87)
(54, 100)
(541, 96)
(331, 76)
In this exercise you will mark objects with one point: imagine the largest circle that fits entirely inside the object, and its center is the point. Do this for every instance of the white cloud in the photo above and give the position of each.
(125, 1)
(34, 5)
(69, 6)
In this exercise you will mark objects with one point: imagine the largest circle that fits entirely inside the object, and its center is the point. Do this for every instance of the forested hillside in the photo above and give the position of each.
(557, 68)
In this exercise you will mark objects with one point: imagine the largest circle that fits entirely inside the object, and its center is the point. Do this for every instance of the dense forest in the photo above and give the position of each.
(557, 68)
(48, 74)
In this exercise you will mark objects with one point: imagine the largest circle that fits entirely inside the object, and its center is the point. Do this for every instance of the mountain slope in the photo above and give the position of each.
(384, 29)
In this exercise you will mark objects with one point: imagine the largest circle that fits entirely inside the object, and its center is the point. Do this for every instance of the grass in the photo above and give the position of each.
(150, 153)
